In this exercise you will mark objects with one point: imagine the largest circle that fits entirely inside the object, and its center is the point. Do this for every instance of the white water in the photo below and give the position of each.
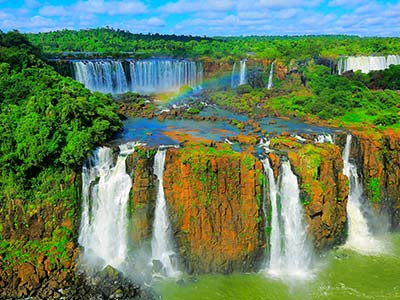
(142, 76)
(324, 138)
(367, 63)
(233, 85)
(271, 76)
(161, 243)
(102, 76)
(104, 221)
(164, 75)
(243, 70)
(290, 251)
(275, 237)
(359, 237)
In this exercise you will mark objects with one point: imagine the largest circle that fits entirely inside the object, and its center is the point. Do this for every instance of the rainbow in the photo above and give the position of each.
(186, 91)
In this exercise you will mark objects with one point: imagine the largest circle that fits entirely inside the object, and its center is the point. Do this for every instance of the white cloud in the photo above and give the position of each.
(95, 7)
(155, 22)
(32, 3)
(347, 3)
(112, 7)
(54, 11)
(290, 3)
(255, 14)
(183, 6)
(288, 13)
(368, 8)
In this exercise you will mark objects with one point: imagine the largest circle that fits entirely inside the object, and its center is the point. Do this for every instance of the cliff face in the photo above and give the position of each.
(142, 196)
(378, 160)
(323, 187)
(37, 248)
(215, 202)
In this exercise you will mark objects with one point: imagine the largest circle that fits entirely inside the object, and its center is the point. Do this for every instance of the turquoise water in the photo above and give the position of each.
(151, 131)
(342, 275)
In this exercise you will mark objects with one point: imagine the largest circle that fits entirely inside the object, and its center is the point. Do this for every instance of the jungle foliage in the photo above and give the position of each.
(108, 41)
(47, 121)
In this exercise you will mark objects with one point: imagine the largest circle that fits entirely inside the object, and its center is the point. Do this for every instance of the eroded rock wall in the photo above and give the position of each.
(142, 196)
(323, 187)
(215, 202)
(378, 160)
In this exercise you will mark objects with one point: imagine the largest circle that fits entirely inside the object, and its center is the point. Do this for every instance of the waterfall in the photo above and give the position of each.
(233, 85)
(105, 191)
(275, 237)
(271, 76)
(103, 76)
(359, 236)
(142, 76)
(290, 250)
(161, 243)
(243, 77)
(324, 138)
(366, 63)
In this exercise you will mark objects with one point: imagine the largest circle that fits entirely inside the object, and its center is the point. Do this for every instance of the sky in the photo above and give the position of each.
(207, 17)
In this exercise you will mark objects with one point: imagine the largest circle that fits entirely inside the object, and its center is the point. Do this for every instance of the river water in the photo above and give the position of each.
(343, 275)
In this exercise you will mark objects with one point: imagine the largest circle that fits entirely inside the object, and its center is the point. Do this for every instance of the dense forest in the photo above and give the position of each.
(49, 123)
(107, 41)
(355, 98)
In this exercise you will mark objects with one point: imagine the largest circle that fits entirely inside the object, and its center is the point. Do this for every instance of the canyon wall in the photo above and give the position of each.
(378, 160)
(37, 248)
(323, 187)
(218, 207)
(215, 200)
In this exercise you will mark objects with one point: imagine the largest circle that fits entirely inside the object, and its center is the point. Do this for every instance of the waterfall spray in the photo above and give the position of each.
(162, 242)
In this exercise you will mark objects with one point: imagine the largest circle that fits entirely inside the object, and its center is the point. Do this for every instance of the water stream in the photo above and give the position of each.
(359, 237)
(271, 76)
(104, 221)
(291, 253)
(162, 242)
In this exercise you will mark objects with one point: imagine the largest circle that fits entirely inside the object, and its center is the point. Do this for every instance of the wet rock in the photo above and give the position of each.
(157, 266)
(215, 207)
(323, 187)
(110, 273)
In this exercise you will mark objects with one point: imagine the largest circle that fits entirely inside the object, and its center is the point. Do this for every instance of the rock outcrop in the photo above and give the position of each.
(39, 253)
(378, 160)
(143, 194)
(323, 187)
(215, 202)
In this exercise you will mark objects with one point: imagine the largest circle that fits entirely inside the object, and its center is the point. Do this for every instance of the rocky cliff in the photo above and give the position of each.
(142, 196)
(37, 242)
(323, 187)
(215, 200)
(378, 160)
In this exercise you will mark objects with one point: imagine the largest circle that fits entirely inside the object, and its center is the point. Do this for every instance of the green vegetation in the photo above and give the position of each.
(107, 41)
(345, 100)
(365, 99)
(375, 187)
(49, 125)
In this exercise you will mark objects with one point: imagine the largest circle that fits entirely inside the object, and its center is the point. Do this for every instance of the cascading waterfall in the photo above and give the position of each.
(367, 63)
(271, 76)
(102, 76)
(359, 235)
(243, 70)
(142, 76)
(233, 85)
(324, 138)
(161, 243)
(160, 75)
(290, 251)
(275, 237)
(104, 222)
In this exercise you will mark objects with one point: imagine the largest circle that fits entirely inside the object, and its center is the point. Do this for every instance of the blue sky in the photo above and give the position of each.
(207, 17)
